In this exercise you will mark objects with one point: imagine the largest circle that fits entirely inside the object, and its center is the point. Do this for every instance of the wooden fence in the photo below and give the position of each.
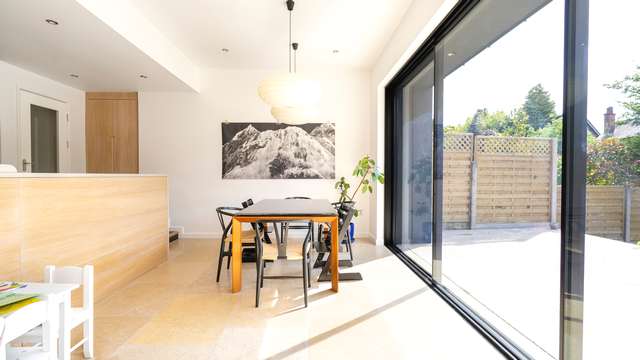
(493, 181)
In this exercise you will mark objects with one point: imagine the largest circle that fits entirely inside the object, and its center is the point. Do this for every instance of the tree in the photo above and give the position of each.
(630, 87)
(539, 107)
(611, 161)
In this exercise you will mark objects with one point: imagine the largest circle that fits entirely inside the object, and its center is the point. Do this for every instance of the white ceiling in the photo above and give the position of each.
(256, 31)
(81, 44)
(93, 41)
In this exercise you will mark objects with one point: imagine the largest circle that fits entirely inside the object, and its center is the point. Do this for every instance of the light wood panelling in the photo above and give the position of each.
(112, 96)
(112, 132)
(99, 136)
(9, 229)
(125, 128)
(118, 224)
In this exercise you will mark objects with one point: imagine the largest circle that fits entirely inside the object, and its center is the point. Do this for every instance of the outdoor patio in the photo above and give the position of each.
(511, 276)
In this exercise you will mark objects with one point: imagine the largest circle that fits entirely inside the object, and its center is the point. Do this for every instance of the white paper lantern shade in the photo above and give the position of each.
(289, 90)
(295, 115)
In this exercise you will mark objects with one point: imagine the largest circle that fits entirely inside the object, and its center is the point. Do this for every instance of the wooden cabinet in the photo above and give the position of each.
(111, 128)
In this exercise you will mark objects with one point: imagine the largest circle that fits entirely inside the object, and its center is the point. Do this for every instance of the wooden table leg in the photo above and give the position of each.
(236, 255)
(334, 254)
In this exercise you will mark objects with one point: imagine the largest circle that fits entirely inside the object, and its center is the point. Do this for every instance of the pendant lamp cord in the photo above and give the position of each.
(289, 45)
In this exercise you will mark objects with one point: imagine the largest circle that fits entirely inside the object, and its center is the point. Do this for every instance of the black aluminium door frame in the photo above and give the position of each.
(574, 139)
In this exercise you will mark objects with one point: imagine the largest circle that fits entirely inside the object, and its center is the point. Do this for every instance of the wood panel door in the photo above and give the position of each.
(125, 129)
(112, 132)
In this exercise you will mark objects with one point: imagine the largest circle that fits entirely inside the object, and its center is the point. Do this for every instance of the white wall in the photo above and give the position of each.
(180, 135)
(12, 80)
(421, 18)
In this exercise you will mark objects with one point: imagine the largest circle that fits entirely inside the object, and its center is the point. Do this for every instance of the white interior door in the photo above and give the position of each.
(44, 134)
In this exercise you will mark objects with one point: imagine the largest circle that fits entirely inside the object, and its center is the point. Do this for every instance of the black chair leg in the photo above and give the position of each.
(259, 277)
(349, 249)
(305, 278)
(309, 272)
(220, 260)
(264, 266)
(229, 256)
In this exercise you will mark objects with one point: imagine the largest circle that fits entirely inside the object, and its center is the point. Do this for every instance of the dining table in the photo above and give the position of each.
(283, 210)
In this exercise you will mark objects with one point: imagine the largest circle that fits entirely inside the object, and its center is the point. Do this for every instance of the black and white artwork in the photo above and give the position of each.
(278, 151)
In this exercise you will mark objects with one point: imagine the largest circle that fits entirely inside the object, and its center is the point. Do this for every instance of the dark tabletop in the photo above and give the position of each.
(289, 207)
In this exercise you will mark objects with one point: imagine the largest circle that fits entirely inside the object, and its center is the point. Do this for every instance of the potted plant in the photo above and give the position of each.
(368, 174)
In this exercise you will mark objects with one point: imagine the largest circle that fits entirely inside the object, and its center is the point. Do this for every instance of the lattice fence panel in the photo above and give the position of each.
(514, 179)
(513, 146)
(457, 179)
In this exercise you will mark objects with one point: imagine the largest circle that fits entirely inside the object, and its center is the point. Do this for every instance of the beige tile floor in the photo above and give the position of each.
(178, 311)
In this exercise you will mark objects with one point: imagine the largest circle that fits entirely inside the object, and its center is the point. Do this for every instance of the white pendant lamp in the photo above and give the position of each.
(292, 97)
(295, 115)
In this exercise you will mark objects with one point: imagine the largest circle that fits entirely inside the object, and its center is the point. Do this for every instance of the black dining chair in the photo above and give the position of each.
(346, 211)
(345, 237)
(290, 225)
(269, 252)
(225, 215)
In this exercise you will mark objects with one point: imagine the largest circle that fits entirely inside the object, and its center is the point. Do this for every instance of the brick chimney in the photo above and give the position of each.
(609, 122)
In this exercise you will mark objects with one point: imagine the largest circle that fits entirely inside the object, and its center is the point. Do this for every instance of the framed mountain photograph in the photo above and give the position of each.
(278, 151)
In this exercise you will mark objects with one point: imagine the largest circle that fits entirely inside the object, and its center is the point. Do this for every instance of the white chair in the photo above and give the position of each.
(6, 168)
(82, 276)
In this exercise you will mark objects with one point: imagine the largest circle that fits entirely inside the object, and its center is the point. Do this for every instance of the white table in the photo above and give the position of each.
(59, 297)
(21, 321)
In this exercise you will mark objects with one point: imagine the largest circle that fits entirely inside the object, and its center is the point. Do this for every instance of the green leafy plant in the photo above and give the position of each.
(368, 174)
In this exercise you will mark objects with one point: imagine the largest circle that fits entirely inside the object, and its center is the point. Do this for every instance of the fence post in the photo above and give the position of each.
(553, 183)
(473, 194)
(626, 214)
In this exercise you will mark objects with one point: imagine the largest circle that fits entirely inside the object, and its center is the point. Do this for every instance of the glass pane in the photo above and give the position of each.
(415, 173)
(612, 251)
(44, 140)
(502, 93)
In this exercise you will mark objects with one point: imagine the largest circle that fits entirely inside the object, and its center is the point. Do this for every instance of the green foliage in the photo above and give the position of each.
(612, 161)
(498, 123)
(368, 173)
(552, 129)
(539, 107)
(630, 87)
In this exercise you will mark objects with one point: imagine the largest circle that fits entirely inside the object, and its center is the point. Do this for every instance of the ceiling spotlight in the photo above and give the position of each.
(335, 51)
(75, 76)
(142, 76)
(225, 50)
(451, 54)
(51, 22)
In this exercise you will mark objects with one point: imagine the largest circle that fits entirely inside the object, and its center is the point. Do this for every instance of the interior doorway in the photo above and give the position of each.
(44, 134)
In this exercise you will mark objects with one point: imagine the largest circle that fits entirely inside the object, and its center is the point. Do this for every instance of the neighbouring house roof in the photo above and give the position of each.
(626, 130)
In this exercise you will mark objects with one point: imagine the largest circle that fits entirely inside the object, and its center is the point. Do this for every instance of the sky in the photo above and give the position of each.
(500, 76)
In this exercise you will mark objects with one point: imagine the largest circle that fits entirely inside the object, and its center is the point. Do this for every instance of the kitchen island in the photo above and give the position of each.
(116, 222)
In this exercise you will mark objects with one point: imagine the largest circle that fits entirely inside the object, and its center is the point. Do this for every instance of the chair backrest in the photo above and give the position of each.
(225, 213)
(7, 168)
(80, 275)
(346, 210)
(297, 198)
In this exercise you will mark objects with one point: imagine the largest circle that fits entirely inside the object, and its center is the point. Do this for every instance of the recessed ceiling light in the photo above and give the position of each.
(335, 51)
(51, 22)
(225, 50)
(74, 76)
(142, 76)
(451, 54)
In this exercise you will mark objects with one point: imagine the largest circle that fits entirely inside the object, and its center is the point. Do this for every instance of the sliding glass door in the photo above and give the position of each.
(414, 163)
(504, 193)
